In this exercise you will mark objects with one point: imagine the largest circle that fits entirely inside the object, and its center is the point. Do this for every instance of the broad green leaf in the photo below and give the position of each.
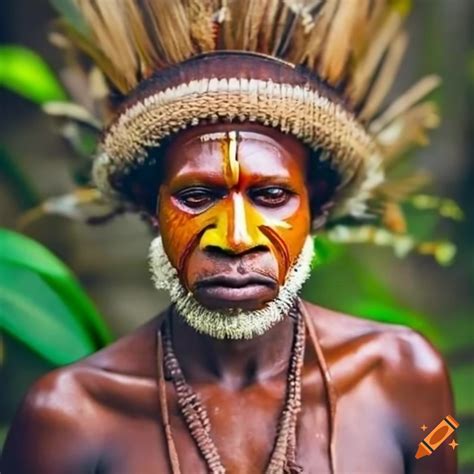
(25, 73)
(33, 313)
(21, 251)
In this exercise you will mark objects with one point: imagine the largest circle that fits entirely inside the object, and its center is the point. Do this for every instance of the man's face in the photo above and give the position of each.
(234, 212)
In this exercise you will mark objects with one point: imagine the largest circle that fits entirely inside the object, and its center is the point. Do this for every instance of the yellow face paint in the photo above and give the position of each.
(238, 226)
(231, 165)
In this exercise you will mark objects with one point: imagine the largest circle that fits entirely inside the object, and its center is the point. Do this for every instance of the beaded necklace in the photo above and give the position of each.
(283, 458)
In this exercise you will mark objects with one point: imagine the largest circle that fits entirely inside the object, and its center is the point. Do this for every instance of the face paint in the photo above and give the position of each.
(236, 324)
(233, 193)
(230, 160)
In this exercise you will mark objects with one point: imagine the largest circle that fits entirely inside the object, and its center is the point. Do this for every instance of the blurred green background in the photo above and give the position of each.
(59, 317)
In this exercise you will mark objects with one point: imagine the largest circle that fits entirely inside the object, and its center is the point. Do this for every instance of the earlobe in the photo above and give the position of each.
(152, 221)
(320, 220)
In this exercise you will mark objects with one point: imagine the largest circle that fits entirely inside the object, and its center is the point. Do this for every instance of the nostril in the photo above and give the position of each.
(215, 251)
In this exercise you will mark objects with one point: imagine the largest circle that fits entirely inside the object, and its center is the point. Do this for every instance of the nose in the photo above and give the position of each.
(237, 228)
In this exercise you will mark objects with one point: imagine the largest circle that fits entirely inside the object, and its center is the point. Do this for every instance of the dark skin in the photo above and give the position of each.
(101, 415)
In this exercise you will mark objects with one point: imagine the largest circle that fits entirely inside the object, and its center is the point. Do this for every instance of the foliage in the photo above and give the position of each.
(25, 73)
(42, 304)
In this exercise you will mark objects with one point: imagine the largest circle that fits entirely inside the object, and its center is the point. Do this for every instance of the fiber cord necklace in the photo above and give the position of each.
(283, 458)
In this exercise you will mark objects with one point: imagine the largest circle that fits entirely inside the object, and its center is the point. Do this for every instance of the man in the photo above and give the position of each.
(237, 157)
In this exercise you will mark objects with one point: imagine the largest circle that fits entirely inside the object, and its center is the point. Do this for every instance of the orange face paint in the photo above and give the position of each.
(214, 197)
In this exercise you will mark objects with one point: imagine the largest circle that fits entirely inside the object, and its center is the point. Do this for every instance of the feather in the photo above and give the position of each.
(83, 204)
(405, 102)
(393, 218)
(386, 76)
(141, 39)
(201, 19)
(272, 12)
(407, 130)
(337, 46)
(283, 27)
(397, 190)
(89, 47)
(248, 16)
(365, 69)
(172, 30)
(74, 112)
(106, 21)
(318, 34)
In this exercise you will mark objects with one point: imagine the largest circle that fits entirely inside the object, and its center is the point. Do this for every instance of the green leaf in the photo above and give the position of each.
(25, 73)
(348, 285)
(33, 313)
(19, 250)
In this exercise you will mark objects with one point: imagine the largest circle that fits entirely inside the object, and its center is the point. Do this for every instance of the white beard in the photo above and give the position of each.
(232, 323)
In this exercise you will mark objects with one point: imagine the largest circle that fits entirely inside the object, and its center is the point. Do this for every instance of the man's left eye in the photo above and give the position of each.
(272, 196)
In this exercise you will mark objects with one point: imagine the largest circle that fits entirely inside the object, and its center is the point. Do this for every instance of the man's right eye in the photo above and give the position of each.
(196, 198)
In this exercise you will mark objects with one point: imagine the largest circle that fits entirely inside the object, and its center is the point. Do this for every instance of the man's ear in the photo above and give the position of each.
(321, 219)
(151, 221)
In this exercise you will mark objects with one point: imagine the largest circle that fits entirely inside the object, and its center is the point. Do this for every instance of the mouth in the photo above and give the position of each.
(249, 291)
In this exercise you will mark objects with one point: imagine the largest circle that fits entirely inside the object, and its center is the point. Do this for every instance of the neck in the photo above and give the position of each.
(235, 363)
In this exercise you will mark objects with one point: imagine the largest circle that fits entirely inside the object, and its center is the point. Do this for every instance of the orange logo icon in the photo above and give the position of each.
(436, 437)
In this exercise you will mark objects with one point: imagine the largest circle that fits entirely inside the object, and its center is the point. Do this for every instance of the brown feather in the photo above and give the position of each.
(318, 34)
(407, 131)
(416, 93)
(172, 30)
(365, 69)
(271, 13)
(337, 46)
(386, 76)
(88, 47)
(139, 33)
(200, 13)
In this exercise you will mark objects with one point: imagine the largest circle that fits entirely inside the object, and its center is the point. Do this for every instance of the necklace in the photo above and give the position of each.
(283, 458)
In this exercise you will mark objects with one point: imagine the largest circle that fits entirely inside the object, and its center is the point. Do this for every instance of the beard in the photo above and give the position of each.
(232, 323)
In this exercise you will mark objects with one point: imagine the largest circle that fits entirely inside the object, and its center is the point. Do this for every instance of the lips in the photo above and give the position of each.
(248, 291)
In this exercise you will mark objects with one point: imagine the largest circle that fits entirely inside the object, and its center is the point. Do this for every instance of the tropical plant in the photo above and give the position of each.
(42, 304)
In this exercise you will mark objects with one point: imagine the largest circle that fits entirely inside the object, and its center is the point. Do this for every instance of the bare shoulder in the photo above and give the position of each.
(52, 419)
(408, 375)
(398, 348)
(60, 413)
(404, 360)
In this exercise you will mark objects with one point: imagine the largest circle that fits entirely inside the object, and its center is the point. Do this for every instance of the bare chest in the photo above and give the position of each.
(244, 426)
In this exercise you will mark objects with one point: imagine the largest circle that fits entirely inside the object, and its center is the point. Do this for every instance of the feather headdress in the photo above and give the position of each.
(317, 69)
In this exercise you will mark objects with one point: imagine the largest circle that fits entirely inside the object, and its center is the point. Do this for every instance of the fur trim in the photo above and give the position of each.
(235, 324)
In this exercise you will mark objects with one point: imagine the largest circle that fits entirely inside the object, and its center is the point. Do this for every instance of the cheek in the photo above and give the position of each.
(178, 230)
(300, 223)
(291, 239)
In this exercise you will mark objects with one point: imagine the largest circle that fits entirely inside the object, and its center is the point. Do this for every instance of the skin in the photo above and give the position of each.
(102, 414)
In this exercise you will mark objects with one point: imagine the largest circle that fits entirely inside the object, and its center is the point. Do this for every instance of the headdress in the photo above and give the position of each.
(317, 69)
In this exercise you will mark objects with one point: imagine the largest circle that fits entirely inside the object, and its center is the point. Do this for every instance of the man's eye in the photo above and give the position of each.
(196, 198)
(272, 196)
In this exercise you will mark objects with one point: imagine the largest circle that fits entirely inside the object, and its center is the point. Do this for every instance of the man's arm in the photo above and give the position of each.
(423, 391)
(49, 434)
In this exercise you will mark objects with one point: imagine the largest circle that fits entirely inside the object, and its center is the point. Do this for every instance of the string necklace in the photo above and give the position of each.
(283, 458)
